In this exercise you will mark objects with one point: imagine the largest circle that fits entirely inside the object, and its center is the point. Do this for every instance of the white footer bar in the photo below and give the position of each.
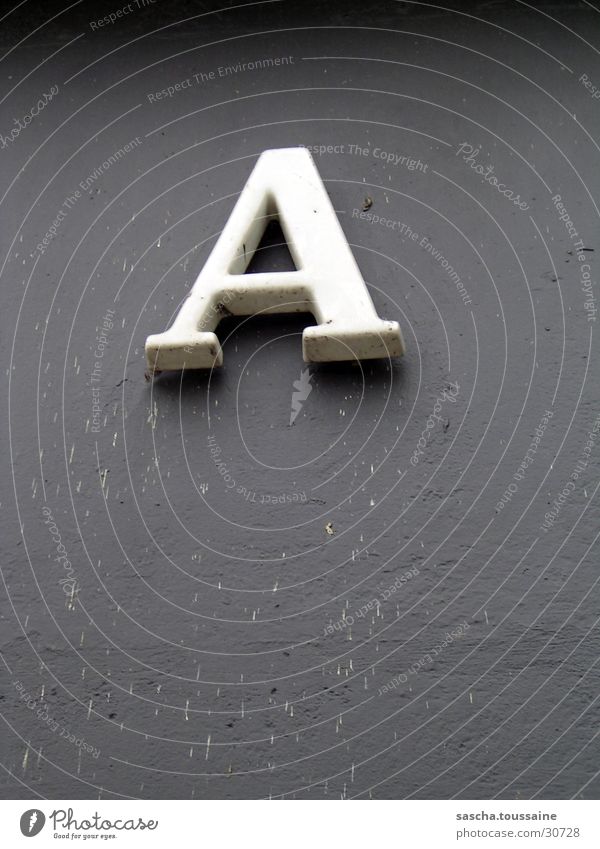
(296, 824)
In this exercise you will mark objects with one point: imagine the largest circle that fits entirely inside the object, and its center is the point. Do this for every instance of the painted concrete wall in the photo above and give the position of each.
(374, 580)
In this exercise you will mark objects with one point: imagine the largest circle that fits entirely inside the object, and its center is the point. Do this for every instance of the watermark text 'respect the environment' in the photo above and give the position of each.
(204, 77)
(85, 185)
(409, 234)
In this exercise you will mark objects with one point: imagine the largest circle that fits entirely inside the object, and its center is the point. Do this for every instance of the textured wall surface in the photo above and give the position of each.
(373, 580)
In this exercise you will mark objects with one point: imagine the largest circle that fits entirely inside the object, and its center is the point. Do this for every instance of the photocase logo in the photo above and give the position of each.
(303, 389)
(32, 822)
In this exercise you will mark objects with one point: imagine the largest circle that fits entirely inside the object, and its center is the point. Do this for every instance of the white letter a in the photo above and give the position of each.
(284, 185)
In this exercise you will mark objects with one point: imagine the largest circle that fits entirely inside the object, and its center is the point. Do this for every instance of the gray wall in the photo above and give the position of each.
(206, 640)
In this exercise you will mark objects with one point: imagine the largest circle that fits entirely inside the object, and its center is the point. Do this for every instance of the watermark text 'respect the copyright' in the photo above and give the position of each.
(579, 469)
(581, 252)
(390, 157)
(101, 345)
(230, 483)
